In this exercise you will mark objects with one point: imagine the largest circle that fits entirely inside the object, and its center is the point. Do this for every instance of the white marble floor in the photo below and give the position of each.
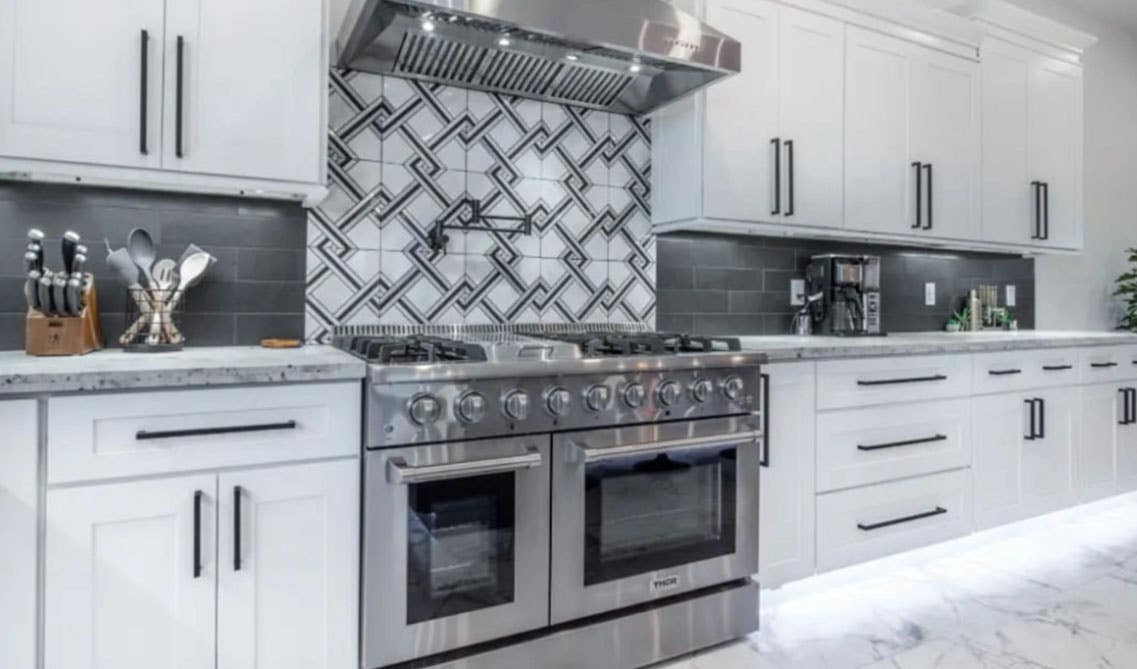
(1059, 592)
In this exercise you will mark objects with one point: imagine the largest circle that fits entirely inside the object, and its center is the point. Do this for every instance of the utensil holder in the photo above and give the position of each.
(153, 320)
(65, 335)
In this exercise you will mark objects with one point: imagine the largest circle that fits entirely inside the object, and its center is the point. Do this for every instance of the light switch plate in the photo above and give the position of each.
(1010, 296)
(929, 294)
(797, 292)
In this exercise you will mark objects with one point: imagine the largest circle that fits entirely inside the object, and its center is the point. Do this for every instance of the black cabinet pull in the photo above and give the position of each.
(919, 196)
(1125, 420)
(790, 174)
(1045, 211)
(1005, 372)
(197, 496)
(894, 382)
(237, 492)
(938, 511)
(1103, 365)
(1037, 187)
(931, 195)
(1132, 405)
(777, 144)
(1041, 418)
(1032, 435)
(144, 95)
(898, 444)
(764, 461)
(143, 435)
(1057, 368)
(179, 98)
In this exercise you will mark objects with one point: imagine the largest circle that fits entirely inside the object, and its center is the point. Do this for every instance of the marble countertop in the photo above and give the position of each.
(784, 348)
(207, 366)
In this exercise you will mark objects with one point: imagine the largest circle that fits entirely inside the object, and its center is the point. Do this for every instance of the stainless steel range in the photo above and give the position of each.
(556, 497)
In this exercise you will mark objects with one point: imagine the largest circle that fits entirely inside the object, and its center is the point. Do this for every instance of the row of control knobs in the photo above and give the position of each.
(471, 407)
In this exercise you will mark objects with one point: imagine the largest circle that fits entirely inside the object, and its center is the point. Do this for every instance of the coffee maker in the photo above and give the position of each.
(847, 291)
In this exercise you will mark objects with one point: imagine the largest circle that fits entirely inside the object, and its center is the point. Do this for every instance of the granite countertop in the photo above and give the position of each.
(784, 348)
(207, 366)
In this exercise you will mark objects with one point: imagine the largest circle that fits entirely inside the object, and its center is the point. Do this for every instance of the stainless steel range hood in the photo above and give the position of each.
(626, 56)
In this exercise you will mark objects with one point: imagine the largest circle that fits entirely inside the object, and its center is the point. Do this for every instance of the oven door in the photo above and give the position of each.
(646, 512)
(455, 546)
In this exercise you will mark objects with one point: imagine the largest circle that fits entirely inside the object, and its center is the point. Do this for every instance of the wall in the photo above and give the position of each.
(718, 284)
(255, 290)
(403, 154)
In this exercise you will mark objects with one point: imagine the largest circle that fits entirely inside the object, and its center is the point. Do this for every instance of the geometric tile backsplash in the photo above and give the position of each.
(403, 154)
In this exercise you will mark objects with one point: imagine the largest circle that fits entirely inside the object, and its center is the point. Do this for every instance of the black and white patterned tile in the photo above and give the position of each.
(404, 154)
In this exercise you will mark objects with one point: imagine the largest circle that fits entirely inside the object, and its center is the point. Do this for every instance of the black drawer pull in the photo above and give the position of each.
(939, 511)
(1005, 372)
(1103, 365)
(898, 444)
(1057, 368)
(143, 435)
(893, 382)
(197, 497)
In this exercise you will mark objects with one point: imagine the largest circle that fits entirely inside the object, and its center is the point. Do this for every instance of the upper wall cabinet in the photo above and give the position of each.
(197, 95)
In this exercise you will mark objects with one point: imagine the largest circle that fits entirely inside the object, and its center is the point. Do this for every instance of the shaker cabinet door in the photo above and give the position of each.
(79, 82)
(1103, 409)
(1055, 126)
(1008, 205)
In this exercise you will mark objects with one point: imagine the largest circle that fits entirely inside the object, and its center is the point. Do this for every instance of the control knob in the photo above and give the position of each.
(471, 408)
(515, 405)
(424, 410)
(558, 401)
(669, 393)
(597, 397)
(732, 388)
(701, 390)
(634, 395)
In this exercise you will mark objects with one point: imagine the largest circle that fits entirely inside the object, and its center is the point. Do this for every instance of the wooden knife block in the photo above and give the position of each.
(65, 335)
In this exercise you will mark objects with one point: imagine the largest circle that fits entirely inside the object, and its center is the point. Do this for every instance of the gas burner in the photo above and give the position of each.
(394, 349)
(606, 344)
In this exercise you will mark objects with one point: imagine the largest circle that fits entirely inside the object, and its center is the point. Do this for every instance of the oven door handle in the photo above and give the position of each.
(399, 472)
(601, 454)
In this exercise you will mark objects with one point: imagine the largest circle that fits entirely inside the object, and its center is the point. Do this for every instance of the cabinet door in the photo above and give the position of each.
(120, 588)
(945, 137)
(19, 517)
(71, 75)
(1055, 128)
(879, 181)
(1008, 207)
(291, 601)
(253, 91)
(1127, 456)
(1047, 461)
(786, 491)
(742, 118)
(1096, 465)
(999, 424)
(812, 83)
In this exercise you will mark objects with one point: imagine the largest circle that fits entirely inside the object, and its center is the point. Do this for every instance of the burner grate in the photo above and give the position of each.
(392, 349)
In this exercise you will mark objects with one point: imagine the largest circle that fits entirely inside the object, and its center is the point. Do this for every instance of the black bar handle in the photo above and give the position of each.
(143, 435)
(777, 144)
(1041, 418)
(931, 195)
(1057, 368)
(790, 173)
(1124, 406)
(179, 99)
(1103, 365)
(764, 461)
(197, 497)
(237, 492)
(1045, 210)
(1132, 406)
(1032, 435)
(894, 382)
(919, 196)
(898, 444)
(144, 95)
(1037, 187)
(938, 511)
(1005, 372)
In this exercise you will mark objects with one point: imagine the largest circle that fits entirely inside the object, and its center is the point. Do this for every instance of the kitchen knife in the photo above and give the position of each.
(70, 241)
(59, 294)
(75, 284)
(36, 237)
(30, 261)
(45, 304)
(31, 289)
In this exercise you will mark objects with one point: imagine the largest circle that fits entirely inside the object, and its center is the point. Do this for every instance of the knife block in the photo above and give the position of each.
(65, 335)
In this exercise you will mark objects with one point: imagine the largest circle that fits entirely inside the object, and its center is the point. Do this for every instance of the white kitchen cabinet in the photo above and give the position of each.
(786, 492)
(19, 517)
(1106, 451)
(288, 567)
(120, 586)
(1056, 133)
(71, 80)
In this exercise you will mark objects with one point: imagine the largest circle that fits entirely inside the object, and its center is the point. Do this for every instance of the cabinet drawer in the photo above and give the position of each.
(852, 383)
(1014, 371)
(864, 446)
(114, 435)
(866, 523)
(1107, 364)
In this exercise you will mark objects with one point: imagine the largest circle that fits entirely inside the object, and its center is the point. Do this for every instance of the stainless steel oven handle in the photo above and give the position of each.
(398, 471)
(592, 455)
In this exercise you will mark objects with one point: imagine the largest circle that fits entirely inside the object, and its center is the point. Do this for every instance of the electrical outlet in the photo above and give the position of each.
(1010, 296)
(929, 294)
(797, 292)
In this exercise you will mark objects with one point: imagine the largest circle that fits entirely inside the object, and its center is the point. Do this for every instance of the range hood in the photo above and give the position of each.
(625, 56)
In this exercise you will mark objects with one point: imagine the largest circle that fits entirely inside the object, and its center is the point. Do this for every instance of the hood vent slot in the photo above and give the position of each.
(508, 72)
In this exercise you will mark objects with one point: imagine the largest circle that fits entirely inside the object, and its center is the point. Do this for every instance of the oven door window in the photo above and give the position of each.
(646, 513)
(460, 546)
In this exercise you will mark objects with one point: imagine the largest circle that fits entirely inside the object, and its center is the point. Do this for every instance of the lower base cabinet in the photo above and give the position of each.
(153, 574)
(19, 532)
(1106, 462)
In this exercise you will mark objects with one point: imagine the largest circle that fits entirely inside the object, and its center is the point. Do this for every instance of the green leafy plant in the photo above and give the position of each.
(1127, 288)
(960, 319)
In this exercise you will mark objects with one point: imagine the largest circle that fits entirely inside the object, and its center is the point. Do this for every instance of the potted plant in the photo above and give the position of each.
(1127, 289)
(958, 321)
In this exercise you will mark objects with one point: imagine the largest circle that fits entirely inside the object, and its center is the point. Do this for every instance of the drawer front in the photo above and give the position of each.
(1107, 364)
(867, 523)
(1015, 371)
(863, 446)
(864, 382)
(103, 436)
